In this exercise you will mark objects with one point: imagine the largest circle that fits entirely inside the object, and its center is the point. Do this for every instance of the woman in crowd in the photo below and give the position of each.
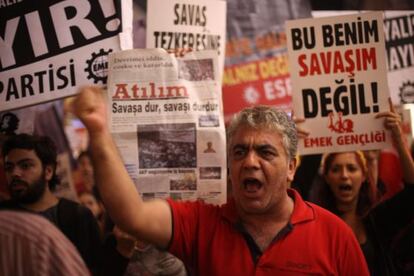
(89, 200)
(83, 176)
(347, 191)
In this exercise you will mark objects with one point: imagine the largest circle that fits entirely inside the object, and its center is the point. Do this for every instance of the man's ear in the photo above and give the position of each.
(292, 169)
(48, 172)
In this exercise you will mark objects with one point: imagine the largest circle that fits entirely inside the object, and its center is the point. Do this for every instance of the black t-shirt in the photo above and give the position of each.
(51, 214)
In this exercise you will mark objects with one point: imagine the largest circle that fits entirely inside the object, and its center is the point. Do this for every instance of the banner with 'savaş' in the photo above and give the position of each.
(339, 80)
(399, 49)
(195, 24)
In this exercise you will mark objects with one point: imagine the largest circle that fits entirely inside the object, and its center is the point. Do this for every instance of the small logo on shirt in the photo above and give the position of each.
(300, 266)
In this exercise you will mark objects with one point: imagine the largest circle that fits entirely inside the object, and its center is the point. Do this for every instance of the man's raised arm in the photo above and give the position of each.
(148, 221)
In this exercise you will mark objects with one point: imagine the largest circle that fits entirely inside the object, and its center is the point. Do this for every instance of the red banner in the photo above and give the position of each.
(263, 81)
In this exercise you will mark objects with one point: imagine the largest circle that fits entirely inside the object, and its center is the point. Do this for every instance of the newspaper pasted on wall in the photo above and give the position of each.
(166, 119)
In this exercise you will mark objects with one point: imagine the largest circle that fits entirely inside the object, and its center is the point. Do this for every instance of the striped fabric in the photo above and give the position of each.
(31, 245)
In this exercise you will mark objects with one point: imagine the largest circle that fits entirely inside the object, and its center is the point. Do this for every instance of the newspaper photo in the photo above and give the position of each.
(166, 118)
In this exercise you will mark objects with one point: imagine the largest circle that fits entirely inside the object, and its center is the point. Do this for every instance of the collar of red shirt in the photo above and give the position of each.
(302, 210)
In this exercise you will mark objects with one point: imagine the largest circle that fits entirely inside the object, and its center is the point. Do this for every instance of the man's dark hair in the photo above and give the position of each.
(43, 146)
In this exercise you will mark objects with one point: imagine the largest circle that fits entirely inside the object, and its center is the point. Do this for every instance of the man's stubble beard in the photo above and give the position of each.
(32, 193)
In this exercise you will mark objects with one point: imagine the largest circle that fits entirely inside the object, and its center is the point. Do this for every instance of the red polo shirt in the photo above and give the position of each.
(316, 242)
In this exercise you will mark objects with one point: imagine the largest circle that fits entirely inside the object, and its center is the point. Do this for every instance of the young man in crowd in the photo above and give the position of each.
(30, 169)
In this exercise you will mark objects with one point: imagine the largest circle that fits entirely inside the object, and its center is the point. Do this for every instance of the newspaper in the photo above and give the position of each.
(166, 119)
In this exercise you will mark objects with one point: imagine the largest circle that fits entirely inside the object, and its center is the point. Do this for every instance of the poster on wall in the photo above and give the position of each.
(256, 64)
(196, 24)
(339, 78)
(49, 48)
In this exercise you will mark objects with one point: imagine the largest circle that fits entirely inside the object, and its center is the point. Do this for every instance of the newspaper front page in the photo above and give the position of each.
(166, 119)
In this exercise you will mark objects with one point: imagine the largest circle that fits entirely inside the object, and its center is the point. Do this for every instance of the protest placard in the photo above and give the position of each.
(49, 48)
(196, 24)
(339, 79)
(399, 48)
(399, 42)
(163, 112)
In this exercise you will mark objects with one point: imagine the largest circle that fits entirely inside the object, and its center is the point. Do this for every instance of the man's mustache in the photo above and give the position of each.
(15, 182)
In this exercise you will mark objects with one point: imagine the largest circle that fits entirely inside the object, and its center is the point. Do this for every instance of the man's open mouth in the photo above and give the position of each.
(252, 184)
